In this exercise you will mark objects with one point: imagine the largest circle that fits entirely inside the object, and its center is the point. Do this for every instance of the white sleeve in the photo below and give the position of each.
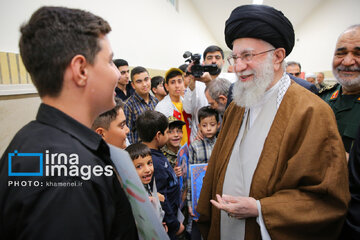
(264, 233)
(194, 100)
(187, 101)
(164, 108)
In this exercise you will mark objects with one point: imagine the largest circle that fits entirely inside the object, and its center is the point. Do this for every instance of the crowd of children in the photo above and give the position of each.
(153, 132)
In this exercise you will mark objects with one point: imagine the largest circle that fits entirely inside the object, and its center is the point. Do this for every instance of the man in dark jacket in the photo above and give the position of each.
(57, 180)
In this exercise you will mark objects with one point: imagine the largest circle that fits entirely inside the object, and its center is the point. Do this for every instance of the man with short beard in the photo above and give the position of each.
(344, 97)
(278, 168)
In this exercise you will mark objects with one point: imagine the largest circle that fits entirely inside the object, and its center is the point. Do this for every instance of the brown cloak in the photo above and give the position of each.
(301, 178)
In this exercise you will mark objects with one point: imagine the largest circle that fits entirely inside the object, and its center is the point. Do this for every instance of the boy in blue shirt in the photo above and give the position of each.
(153, 128)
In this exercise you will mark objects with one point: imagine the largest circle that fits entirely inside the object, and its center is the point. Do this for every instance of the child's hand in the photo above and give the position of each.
(199, 135)
(152, 200)
(178, 171)
(161, 197)
(165, 226)
(191, 211)
(181, 229)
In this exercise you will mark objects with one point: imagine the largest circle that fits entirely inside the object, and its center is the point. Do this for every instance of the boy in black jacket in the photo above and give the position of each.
(153, 127)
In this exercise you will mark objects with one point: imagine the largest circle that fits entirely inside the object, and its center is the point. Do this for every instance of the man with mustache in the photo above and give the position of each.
(344, 97)
(278, 168)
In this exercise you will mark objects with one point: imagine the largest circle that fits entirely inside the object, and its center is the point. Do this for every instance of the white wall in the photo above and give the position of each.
(150, 33)
(317, 35)
(15, 112)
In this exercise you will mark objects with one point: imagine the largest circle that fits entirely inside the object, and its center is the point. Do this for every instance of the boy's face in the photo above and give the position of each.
(144, 168)
(209, 126)
(175, 86)
(160, 90)
(141, 83)
(163, 138)
(124, 75)
(116, 134)
(175, 136)
(102, 78)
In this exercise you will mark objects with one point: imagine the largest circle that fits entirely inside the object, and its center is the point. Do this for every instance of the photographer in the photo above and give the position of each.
(194, 97)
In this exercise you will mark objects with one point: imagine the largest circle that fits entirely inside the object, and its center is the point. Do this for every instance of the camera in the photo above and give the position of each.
(197, 69)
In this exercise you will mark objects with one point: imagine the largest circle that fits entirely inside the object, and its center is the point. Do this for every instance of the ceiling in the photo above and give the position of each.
(215, 12)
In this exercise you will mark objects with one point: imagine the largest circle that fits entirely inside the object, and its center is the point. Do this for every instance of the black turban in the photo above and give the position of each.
(261, 22)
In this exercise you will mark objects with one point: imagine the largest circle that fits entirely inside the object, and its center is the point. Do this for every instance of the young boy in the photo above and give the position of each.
(157, 87)
(172, 146)
(172, 104)
(123, 89)
(141, 156)
(68, 55)
(153, 130)
(200, 150)
(140, 101)
(111, 125)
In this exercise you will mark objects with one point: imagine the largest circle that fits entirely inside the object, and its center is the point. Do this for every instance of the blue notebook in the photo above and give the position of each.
(197, 174)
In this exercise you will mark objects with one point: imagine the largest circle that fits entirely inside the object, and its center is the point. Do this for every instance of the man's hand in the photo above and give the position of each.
(237, 207)
(205, 78)
(178, 171)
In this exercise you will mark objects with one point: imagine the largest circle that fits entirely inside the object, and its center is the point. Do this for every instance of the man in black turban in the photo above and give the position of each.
(264, 23)
(261, 22)
(278, 168)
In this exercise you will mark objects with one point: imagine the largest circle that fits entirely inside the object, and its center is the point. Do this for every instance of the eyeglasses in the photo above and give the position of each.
(245, 56)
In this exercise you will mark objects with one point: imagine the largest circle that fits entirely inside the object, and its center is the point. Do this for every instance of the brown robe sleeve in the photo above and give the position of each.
(301, 178)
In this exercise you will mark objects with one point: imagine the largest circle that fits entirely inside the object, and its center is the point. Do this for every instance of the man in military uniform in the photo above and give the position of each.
(344, 97)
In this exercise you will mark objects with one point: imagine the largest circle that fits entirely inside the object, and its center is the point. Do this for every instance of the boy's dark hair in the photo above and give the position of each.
(137, 150)
(184, 67)
(172, 74)
(104, 119)
(211, 49)
(155, 81)
(149, 123)
(207, 111)
(52, 37)
(137, 70)
(120, 62)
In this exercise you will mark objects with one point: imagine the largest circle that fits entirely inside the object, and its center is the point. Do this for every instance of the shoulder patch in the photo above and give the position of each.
(327, 88)
(334, 95)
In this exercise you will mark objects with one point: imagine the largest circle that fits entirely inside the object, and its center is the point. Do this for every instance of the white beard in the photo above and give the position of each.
(248, 94)
(349, 84)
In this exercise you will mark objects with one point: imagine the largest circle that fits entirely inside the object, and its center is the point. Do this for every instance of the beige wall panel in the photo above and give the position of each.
(15, 112)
